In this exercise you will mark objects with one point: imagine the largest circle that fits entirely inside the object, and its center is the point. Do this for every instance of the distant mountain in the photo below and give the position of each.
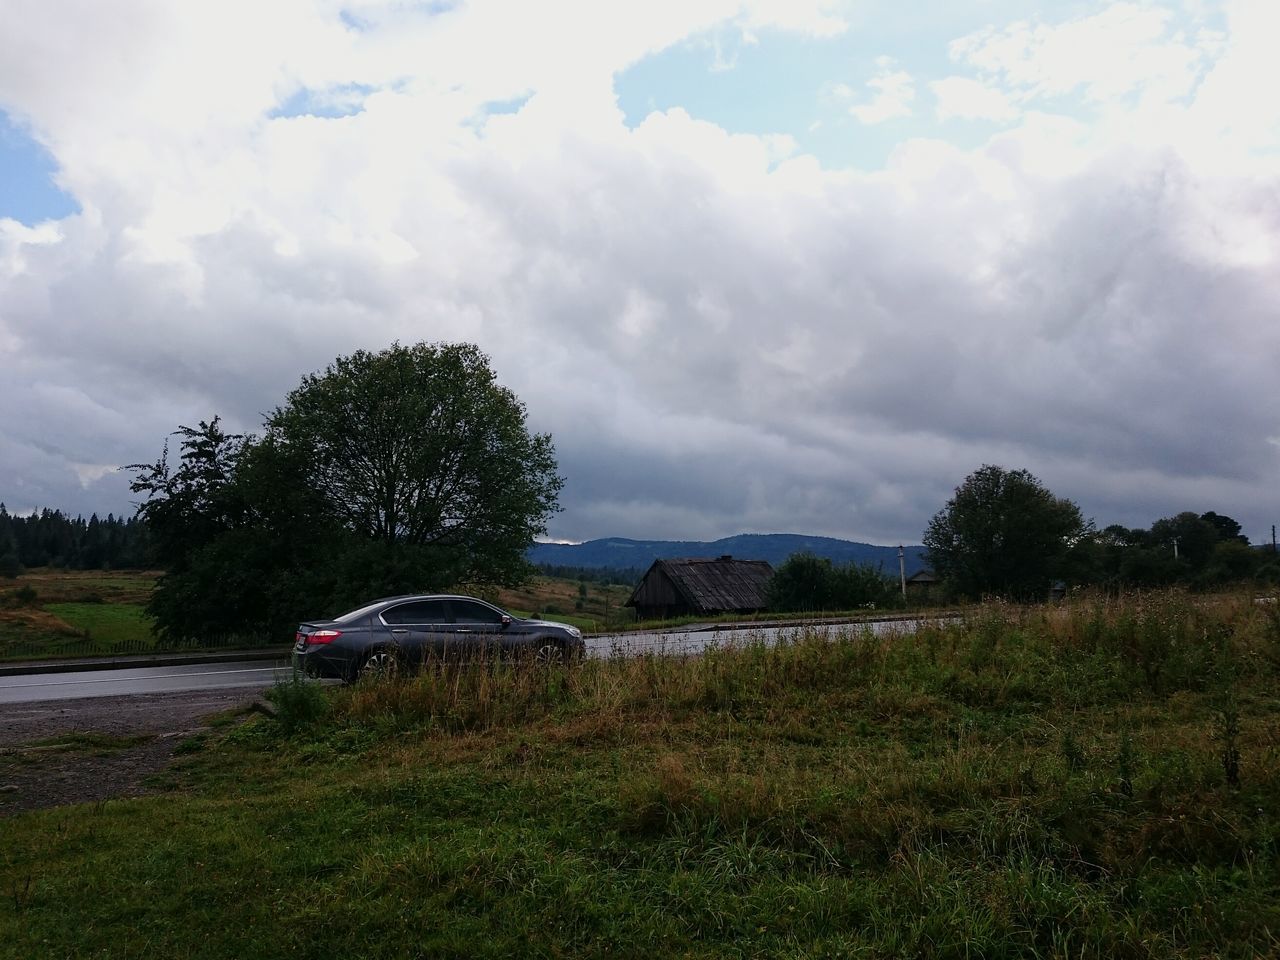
(625, 554)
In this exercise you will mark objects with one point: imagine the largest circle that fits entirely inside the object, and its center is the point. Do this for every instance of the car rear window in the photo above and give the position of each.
(416, 611)
(357, 614)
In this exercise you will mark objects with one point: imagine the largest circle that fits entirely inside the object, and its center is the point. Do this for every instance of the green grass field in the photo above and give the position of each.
(1101, 780)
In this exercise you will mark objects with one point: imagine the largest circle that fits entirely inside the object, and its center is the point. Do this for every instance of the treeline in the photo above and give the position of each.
(52, 538)
(1201, 551)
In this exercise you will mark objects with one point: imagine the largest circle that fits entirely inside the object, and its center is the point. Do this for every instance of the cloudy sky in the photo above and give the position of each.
(757, 265)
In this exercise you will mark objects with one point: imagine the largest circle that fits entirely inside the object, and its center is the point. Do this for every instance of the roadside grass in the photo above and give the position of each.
(1095, 780)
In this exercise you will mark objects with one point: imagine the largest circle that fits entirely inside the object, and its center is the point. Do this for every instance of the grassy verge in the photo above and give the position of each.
(1099, 781)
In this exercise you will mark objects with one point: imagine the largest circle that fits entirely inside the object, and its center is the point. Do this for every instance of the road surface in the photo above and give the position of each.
(253, 674)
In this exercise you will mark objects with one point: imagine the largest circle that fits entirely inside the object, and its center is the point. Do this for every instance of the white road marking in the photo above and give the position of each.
(151, 676)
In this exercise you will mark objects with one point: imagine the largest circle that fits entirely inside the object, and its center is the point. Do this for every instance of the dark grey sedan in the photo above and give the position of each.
(407, 632)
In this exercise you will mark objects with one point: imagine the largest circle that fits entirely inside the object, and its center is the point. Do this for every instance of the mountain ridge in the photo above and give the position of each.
(625, 553)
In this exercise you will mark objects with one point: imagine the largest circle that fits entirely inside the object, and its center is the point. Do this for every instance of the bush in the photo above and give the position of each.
(807, 582)
(298, 703)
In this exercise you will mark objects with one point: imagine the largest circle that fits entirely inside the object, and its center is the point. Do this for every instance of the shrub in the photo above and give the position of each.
(298, 703)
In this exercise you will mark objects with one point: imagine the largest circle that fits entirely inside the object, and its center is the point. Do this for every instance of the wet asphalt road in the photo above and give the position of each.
(258, 674)
(28, 688)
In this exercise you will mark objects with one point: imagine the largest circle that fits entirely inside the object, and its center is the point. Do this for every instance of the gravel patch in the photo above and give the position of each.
(31, 779)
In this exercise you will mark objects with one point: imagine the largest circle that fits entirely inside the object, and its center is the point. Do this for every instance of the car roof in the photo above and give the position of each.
(427, 596)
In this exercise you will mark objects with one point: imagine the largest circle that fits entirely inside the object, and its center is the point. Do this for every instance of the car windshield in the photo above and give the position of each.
(358, 613)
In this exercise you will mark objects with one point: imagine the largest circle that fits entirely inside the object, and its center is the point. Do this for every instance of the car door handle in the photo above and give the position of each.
(399, 630)
(462, 631)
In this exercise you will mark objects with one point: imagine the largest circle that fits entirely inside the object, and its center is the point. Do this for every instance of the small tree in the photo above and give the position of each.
(1003, 533)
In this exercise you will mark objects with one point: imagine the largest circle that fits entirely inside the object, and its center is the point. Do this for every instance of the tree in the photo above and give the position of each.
(807, 582)
(1227, 528)
(406, 470)
(1003, 533)
(1188, 536)
(421, 446)
(190, 505)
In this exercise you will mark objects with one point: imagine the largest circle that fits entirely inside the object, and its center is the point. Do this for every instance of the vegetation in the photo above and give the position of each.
(1098, 779)
(1002, 533)
(1205, 552)
(807, 583)
(50, 538)
(401, 471)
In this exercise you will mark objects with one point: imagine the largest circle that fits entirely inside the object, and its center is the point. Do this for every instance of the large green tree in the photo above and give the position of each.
(1003, 533)
(409, 469)
(421, 446)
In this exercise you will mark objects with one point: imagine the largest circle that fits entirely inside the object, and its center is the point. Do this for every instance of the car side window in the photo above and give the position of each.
(468, 611)
(417, 612)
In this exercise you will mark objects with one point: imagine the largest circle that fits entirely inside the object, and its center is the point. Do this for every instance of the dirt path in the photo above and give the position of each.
(108, 746)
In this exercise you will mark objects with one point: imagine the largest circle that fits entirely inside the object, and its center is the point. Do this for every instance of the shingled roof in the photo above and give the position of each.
(712, 584)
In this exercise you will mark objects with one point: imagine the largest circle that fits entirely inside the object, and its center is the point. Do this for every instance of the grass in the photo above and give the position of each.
(1030, 783)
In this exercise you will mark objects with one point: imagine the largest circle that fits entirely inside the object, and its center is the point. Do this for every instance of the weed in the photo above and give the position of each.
(299, 703)
(191, 744)
(1072, 754)
(1124, 765)
(1228, 733)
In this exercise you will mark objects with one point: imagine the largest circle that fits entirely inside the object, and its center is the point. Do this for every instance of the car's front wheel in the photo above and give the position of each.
(548, 653)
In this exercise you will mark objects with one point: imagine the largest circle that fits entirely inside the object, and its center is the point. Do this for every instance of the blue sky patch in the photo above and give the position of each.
(343, 101)
(28, 193)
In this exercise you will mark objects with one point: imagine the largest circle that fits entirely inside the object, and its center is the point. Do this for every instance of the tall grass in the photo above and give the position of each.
(1091, 652)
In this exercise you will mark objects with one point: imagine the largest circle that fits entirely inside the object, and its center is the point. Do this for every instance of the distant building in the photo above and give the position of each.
(922, 583)
(700, 587)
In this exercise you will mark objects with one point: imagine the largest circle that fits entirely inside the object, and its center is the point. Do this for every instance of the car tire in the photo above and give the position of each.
(380, 664)
(548, 653)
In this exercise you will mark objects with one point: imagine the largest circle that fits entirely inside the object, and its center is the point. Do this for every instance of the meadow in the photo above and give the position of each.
(1094, 779)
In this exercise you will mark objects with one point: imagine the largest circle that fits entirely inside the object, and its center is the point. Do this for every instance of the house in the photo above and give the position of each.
(701, 586)
(922, 583)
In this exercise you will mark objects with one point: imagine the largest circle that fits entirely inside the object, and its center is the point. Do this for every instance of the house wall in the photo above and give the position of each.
(656, 598)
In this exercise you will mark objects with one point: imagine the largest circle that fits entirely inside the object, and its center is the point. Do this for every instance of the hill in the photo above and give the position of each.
(624, 554)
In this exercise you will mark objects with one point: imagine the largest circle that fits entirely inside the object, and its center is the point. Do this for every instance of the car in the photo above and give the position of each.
(407, 632)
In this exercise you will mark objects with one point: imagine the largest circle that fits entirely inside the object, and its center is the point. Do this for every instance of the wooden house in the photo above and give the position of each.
(922, 583)
(701, 586)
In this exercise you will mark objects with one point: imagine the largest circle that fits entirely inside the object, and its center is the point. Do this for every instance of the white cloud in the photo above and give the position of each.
(893, 93)
(968, 99)
(720, 334)
(1128, 48)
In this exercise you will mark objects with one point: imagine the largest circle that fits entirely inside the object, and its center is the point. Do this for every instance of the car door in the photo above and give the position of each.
(419, 629)
(477, 627)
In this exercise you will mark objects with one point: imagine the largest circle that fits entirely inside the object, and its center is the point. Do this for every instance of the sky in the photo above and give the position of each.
(756, 265)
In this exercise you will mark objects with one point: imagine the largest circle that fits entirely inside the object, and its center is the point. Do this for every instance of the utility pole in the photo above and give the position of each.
(1175, 548)
(902, 571)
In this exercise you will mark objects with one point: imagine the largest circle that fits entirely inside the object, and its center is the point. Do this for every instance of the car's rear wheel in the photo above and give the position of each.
(379, 665)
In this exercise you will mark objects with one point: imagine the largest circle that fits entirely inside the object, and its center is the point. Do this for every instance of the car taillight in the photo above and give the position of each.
(324, 636)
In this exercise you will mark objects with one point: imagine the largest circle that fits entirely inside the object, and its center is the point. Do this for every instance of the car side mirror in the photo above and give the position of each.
(506, 621)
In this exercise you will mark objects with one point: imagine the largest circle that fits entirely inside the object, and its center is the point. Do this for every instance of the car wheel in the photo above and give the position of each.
(548, 654)
(379, 665)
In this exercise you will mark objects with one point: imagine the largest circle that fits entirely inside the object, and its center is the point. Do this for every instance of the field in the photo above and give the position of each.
(53, 613)
(1095, 780)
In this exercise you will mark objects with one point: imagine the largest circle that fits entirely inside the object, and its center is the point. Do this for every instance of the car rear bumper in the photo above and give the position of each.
(320, 661)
